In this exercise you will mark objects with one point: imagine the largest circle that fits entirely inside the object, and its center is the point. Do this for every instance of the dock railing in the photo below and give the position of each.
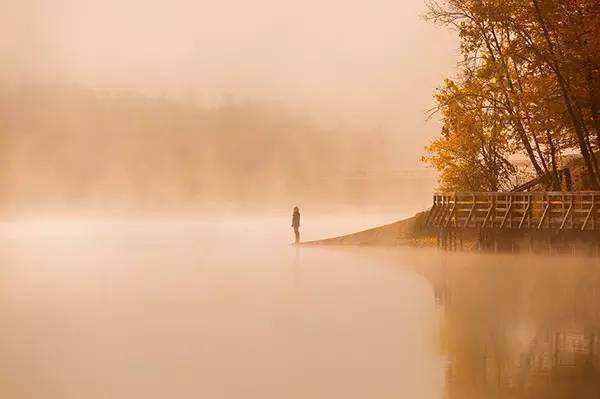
(574, 211)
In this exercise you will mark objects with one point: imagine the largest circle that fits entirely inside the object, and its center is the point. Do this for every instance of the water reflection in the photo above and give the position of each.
(159, 310)
(296, 267)
(516, 327)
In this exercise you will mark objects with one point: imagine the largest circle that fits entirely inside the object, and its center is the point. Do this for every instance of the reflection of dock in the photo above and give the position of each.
(506, 216)
(557, 364)
(518, 330)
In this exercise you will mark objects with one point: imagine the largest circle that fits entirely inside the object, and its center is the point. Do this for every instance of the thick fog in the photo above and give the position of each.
(150, 155)
(153, 104)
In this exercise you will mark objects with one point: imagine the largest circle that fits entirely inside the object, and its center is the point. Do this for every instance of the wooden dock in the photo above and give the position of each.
(495, 215)
(533, 210)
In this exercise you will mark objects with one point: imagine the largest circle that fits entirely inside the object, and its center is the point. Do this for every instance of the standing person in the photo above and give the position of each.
(296, 223)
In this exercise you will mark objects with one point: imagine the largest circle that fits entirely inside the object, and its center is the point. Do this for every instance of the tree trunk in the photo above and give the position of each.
(511, 109)
(577, 123)
(555, 175)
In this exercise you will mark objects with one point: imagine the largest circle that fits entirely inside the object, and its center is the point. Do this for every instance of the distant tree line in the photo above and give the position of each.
(528, 88)
(65, 145)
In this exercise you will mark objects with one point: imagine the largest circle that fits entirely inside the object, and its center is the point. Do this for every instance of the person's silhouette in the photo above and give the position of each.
(296, 223)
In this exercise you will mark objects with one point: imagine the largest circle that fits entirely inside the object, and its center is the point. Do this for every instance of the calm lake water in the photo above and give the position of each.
(214, 309)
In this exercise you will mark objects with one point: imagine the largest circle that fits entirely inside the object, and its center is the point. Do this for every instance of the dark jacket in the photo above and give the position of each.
(296, 219)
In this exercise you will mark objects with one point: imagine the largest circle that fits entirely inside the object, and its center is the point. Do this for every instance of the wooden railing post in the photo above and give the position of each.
(454, 213)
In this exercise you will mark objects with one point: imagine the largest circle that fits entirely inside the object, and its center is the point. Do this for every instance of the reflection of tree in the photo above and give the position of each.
(515, 329)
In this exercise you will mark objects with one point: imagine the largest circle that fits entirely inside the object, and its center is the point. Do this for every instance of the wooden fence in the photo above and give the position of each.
(573, 211)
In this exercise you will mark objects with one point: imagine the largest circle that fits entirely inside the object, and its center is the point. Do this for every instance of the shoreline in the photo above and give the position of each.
(410, 232)
(405, 232)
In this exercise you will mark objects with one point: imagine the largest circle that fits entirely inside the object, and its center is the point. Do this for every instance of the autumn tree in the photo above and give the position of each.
(537, 72)
(471, 152)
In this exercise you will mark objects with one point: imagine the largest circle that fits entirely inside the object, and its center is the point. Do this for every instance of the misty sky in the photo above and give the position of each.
(371, 64)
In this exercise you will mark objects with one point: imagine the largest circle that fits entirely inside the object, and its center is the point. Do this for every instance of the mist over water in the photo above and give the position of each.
(71, 149)
(225, 308)
(184, 104)
(211, 308)
(150, 156)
